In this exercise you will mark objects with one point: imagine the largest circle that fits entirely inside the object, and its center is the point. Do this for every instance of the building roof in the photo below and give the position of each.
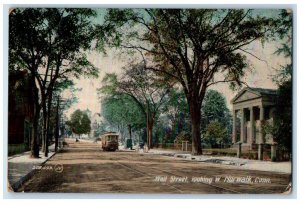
(258, 91)
(263, 91)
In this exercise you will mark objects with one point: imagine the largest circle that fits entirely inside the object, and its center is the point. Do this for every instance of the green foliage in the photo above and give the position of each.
(183, 136)
(102, 128)
(176, 115)
(215, 109)
(79, 122)
(169, 34)
(176, 102)
(51, 37)
(147, 90)
(51, 43)
(120, 110)
(284, 33)
(109, 84)
(215, 134)
(282, 124)
(191, 46)
(62, 85)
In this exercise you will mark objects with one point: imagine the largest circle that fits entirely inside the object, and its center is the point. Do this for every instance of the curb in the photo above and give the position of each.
(223, 162)
(26, 177)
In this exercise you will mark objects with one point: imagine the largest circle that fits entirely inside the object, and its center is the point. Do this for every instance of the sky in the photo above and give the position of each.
(259, 76)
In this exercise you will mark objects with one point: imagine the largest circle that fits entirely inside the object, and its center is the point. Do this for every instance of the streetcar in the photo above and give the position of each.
(109, 141)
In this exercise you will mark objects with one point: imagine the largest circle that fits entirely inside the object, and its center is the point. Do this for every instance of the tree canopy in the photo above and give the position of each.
(191, 46)
(281, 129)
(215, 109)
(176, 115)
(79, 122)
(51, 38)
(148, 90)
(120, 111)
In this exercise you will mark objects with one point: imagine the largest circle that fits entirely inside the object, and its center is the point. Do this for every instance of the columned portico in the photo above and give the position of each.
(251, 107)
(247, 132)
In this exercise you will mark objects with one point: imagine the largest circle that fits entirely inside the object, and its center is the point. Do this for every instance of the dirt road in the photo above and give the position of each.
(84, 167)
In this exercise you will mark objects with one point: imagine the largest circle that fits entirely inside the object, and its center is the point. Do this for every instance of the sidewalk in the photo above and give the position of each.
(20, 167)
(237, 163)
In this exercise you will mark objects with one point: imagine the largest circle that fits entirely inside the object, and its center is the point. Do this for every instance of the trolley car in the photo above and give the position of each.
(109, 141)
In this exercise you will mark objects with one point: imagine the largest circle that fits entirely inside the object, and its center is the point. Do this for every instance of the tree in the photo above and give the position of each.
(60, 104)
(191, 46)
(281, 129)
(215, 109)
(176, 111)
(19, 60)
(101, 128)
(284, 33)
(183, 136)
(282, 124)
(50, 43)
(216, 134)
(145, 88)
(79, 122)
(121, 110)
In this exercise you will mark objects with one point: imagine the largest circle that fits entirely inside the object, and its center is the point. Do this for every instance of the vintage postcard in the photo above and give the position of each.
(150, 100)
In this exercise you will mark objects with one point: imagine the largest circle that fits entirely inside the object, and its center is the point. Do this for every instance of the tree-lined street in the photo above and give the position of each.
(207, 82)
(86, 168)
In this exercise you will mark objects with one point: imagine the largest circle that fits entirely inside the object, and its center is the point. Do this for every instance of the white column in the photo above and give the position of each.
(261, 141)
(251, 125)
(242, 138)
(261, 119)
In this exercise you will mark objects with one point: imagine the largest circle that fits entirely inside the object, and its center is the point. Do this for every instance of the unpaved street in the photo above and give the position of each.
(84, 167)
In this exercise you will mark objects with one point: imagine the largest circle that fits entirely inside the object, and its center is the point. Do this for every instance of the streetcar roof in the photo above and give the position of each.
(109, 134)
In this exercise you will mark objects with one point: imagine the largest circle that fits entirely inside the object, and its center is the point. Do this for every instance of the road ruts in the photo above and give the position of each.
(86, 168)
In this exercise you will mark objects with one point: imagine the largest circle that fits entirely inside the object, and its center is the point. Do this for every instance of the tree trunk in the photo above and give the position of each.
(129, 130)
(44, 127)
(46, 138)
(130, 136)
(150, 130)
(195, 113)
(147, 128)
(36, 115)
(34, 142)
(57, 125)
(150, 123)
(48, 123)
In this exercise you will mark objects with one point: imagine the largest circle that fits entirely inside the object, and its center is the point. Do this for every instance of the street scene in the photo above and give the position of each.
(86, 168)
(150, 101)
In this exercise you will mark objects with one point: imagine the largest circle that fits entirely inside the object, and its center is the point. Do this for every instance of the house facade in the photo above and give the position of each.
(20, 112)
(252, 107)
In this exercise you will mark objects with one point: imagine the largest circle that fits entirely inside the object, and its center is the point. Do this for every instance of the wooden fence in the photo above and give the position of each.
(184, 146)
